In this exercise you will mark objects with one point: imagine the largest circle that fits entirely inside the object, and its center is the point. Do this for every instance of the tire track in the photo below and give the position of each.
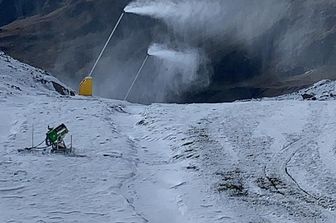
(133, 161)
(280, 162)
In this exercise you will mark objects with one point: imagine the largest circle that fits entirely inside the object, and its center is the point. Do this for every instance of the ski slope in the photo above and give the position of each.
(271, 160)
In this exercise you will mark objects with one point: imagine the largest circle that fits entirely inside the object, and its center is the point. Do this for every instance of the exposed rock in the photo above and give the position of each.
(308, 97)
(62, 90)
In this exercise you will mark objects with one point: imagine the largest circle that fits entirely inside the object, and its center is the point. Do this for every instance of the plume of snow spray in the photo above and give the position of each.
(157, 9)
(188, 58)
(242, 22)
(180, 68)
(213, 18)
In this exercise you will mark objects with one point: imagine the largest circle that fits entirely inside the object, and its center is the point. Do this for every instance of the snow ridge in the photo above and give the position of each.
(17, 78)
(322, 91)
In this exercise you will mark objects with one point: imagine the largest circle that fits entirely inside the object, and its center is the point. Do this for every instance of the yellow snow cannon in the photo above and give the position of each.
(86, 87)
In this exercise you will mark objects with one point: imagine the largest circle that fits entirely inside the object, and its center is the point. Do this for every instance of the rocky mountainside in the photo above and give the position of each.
(65, 37)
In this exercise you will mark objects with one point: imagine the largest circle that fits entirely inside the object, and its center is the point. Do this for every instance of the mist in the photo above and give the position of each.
(178, 69)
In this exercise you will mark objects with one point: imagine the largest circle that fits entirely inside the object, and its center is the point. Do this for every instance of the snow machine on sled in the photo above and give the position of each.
(55, 139)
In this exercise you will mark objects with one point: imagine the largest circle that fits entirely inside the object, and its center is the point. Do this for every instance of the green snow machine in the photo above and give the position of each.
(55, 139)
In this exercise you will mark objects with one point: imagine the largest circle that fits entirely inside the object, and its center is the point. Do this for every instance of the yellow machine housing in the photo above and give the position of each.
(86, 87)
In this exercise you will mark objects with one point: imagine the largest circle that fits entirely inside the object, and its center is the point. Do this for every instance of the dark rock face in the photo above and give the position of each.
(65, 36)
(62, 90)
(308, 97)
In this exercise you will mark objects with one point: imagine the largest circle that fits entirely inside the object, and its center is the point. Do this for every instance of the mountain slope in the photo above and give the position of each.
(256, 161)
(65, 38)
(21, 79)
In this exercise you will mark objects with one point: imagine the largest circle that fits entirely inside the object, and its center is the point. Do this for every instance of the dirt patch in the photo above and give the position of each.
(232, 183)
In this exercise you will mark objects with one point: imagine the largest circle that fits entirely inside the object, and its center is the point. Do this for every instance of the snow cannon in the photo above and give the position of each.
(55, 138)
(57, 134)
(86, 87)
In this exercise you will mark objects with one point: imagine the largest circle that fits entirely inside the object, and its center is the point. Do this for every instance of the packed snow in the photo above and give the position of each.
(257, 161)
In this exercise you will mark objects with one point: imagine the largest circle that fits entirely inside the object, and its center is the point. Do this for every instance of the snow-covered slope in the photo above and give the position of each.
(322, 90)
(17, 78)
(256, 161)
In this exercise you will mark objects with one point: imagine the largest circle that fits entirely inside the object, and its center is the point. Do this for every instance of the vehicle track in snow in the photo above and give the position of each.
(277, 169)
(111, 110)
(223, 147)
(148, 191)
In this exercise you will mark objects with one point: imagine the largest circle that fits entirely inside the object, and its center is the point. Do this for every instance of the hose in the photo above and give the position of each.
(37, 147)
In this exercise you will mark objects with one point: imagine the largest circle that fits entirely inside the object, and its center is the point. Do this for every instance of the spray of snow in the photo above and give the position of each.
(156, 9)
(188, 58)
(180, 67)
(215, 18)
